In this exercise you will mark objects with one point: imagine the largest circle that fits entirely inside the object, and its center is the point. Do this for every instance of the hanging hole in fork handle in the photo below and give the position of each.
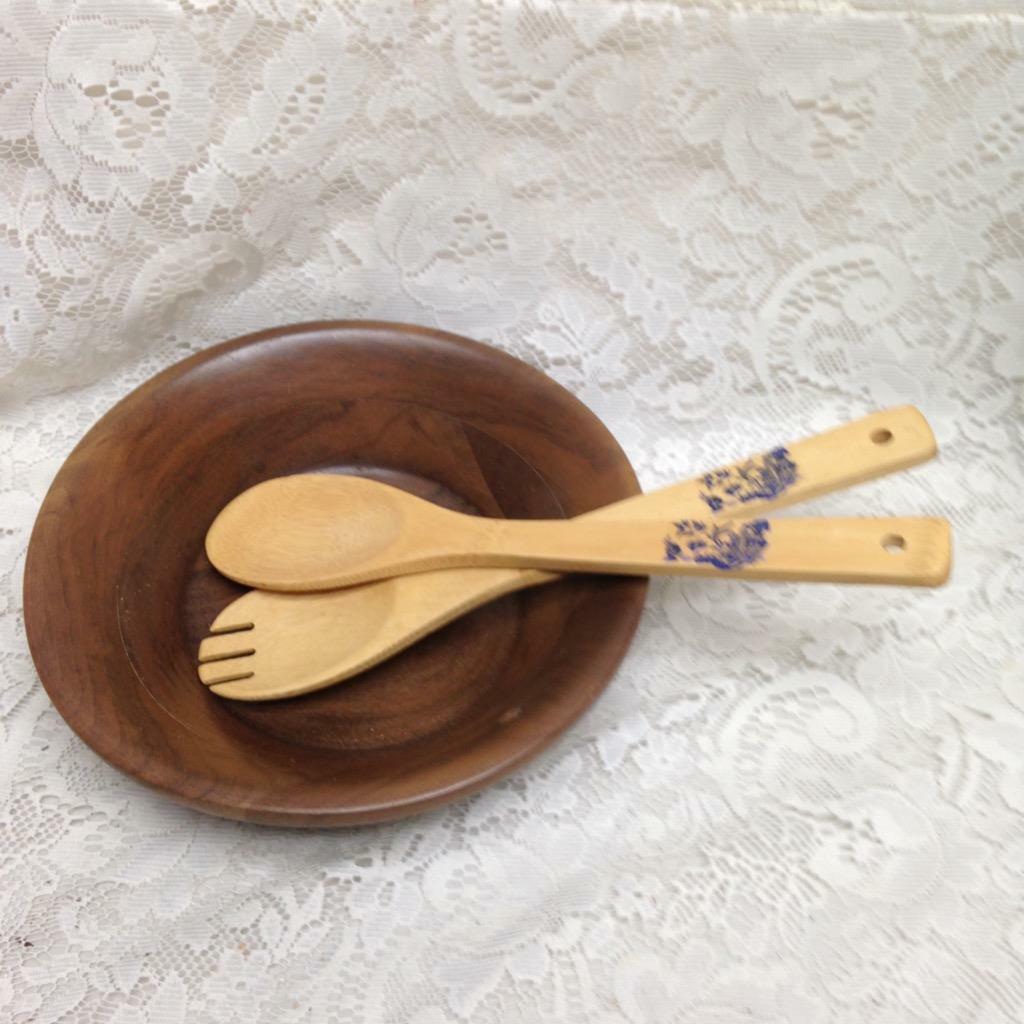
(881, 436)
(894, 543)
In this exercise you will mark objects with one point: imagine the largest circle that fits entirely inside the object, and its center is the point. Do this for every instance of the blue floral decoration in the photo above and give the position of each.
(722, 545)
(758, 479)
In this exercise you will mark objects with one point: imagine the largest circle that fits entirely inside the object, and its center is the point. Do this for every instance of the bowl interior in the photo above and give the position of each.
(452, 683)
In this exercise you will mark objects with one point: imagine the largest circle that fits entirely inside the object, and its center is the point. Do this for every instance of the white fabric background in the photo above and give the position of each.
(719, 229)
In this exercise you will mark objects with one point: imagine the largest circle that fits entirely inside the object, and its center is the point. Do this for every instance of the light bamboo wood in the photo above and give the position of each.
(320, 532)
(272, 645)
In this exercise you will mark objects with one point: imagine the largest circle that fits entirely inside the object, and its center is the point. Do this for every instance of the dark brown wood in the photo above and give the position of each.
(118, 592)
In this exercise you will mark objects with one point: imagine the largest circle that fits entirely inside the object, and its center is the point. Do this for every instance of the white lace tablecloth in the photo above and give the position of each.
(720, 224)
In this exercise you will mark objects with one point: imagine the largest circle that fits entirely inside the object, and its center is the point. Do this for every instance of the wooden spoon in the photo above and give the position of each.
(320, 532)
(266, 646)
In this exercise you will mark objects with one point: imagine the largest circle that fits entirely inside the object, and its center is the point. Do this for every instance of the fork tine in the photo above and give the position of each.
(226, 645)
(240, 689)
(227, 670)
(231, 620)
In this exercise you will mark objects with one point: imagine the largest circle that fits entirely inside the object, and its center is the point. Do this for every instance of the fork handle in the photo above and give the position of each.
(878, 444)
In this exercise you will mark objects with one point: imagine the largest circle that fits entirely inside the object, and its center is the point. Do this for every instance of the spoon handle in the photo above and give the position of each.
(900, 551)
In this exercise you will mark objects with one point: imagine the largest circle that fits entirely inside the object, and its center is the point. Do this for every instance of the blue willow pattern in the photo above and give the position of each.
(722, 545)
(762, 477)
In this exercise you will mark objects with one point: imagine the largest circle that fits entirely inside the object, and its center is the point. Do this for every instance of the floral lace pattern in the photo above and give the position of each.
(723, 224)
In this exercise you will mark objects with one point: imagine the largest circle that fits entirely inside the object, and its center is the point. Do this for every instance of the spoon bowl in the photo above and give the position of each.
(285, 529)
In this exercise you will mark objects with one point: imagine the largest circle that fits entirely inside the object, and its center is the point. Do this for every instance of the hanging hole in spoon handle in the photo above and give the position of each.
(894, 543)
(882, 435)
(910, 551)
